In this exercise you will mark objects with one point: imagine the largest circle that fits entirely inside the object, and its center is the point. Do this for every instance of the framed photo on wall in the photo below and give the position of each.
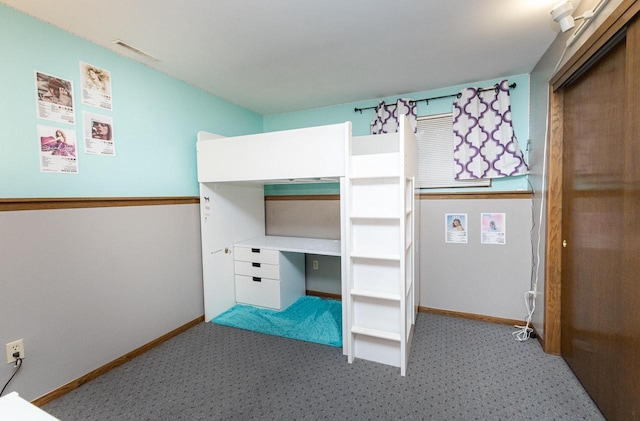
(493, 228)
(455, 228)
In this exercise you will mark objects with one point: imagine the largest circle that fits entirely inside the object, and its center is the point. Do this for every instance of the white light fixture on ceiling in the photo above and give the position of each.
(563, 14)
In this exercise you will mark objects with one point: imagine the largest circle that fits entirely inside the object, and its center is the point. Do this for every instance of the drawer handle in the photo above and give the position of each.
(255, 265)
(257, 279)
(255, 250)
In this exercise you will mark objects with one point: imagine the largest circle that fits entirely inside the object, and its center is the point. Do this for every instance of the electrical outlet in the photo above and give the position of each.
(315, 265)
(12, 348)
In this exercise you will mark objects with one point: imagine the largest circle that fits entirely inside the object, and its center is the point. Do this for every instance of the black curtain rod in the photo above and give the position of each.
(512, 86)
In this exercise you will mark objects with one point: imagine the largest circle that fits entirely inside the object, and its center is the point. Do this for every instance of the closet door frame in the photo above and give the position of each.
(620, 17)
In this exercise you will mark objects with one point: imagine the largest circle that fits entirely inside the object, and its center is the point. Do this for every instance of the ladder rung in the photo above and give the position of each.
(376, 294)
(383, 334)
(389, 218)
(373, 177)
(375, 257)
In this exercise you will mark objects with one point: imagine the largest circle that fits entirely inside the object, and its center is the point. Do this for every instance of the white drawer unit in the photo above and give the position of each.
(256, 254)
(261, 270)
(262, 292)
(268, 278)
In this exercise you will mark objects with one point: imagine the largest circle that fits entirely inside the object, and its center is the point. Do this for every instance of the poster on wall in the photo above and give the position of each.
(54, 97)
(57, 150)
(456, 228)
(98, 134)
(493, 228)
(96, 86)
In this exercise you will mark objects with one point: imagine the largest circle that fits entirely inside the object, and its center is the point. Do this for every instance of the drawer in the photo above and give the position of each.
(262, 270)
(248, 254)
(265, 293)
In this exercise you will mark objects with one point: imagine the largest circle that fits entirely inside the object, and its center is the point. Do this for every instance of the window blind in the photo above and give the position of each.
(435, 154)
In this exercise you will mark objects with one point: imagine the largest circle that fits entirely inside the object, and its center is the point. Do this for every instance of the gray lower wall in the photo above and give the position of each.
(83, 287)
(488, 280)
(476, 278)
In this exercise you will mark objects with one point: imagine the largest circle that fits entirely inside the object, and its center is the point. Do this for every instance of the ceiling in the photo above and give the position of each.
(286, 55)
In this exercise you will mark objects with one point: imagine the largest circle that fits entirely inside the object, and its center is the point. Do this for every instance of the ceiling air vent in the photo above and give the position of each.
(135, 50)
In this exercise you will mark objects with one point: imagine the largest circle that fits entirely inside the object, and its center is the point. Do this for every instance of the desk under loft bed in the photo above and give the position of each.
(377, 217)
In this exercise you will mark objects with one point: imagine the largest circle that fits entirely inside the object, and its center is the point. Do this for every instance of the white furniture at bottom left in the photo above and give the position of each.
(14, 408)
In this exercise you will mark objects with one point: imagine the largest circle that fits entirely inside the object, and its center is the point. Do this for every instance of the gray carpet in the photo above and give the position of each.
(458, 370)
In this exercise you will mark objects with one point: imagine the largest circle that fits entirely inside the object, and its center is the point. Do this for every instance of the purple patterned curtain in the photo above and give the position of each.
(484, 144)
(386, 120)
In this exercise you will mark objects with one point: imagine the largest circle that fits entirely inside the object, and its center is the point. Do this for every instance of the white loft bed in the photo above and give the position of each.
(309, 154)
(377, 249)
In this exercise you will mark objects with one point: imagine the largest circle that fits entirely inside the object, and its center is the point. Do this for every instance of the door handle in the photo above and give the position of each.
(564, 243)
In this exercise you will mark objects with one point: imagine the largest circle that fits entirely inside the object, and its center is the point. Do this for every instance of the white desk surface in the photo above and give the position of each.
(295, 244)
(14, 408)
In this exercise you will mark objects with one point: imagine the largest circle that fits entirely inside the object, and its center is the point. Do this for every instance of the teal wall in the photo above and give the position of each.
(155, 119)
(361, 121)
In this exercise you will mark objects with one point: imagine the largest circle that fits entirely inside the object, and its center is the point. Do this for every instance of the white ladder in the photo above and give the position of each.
(380, 250)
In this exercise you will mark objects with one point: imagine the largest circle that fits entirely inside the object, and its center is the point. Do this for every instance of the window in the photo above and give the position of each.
(435, 154)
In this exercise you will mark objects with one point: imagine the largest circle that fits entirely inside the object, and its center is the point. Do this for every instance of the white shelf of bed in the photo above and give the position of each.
(313, 154)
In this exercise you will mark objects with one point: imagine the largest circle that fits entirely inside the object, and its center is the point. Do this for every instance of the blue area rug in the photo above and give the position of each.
(310, 319)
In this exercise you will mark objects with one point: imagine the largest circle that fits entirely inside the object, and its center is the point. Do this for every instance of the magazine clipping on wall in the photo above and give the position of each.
(456, 228)
(54, 97)
(96, 86)
(493, 228)
(98, 134)
(57, 150)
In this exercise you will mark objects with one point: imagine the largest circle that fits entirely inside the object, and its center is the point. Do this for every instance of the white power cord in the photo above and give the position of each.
(524, 332)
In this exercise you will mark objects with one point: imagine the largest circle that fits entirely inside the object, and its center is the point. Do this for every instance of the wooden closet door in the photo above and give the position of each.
(600, 220)
(628, 400)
